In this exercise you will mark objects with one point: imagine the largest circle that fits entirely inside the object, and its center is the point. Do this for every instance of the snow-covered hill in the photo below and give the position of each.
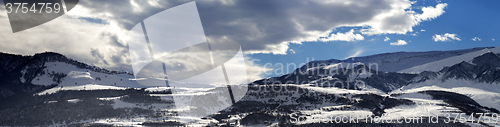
(80, 76)
(28, 74)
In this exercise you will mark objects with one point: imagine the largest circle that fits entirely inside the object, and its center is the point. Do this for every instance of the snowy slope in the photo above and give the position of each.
(438, 65)
(395, 62)
(79, 87)
(484, 93)
(79, 76)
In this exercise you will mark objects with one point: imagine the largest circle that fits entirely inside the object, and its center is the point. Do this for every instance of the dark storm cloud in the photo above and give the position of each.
(259, 24)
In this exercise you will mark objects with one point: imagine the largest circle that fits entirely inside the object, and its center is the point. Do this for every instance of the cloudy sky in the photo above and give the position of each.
(269, 31)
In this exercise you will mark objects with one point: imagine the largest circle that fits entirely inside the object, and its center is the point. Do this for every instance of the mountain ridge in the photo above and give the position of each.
(16, 68)
(386, 58)
(482, 68)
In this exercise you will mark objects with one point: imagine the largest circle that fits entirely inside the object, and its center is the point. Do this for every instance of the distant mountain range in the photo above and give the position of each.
(394, 85)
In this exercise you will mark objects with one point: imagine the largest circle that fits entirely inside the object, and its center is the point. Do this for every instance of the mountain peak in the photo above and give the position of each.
(488, 58)
(48, 54)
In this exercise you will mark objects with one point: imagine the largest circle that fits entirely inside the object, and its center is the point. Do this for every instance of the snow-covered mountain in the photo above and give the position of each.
(467, 82)
(390, 86)
(438, 65)
(399, 61)
(28, 74)
(481, 68)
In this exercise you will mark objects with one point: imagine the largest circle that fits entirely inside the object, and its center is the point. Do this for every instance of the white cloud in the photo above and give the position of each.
(399, 42)
(476, 39)
(493, 39)
(422, 30)
(276, 49)
(446, 37)
(398, 21)
(88, 42)
(430, 12)
(292, 51)
(348, 36)
(387, 39)
(253, 71)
